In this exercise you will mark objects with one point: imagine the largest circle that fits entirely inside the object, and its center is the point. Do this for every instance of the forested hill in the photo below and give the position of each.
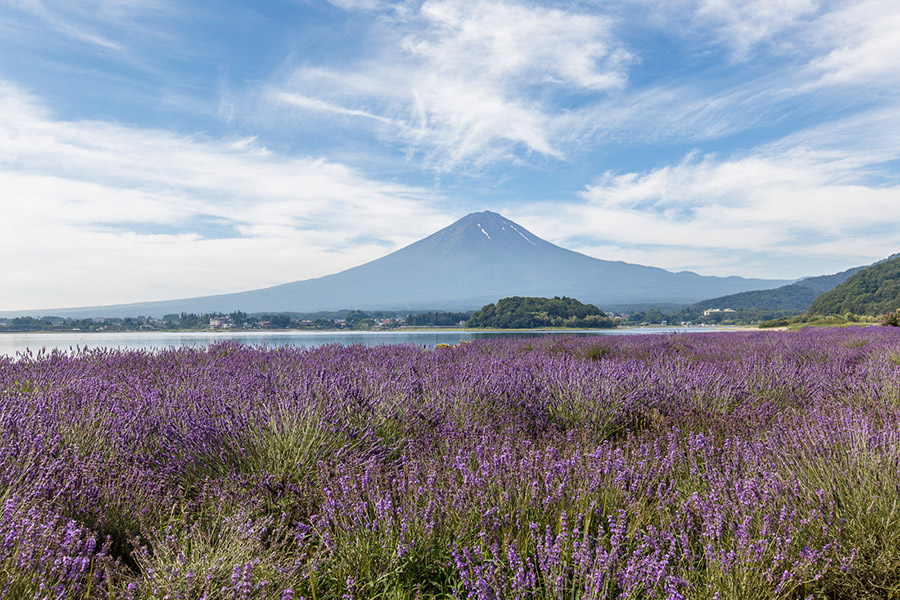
(872, 291)
(787, 297)
(527, 313)
(824, 283)
(797, 296)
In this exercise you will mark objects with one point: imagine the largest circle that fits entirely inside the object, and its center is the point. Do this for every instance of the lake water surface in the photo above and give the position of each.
(12, 344)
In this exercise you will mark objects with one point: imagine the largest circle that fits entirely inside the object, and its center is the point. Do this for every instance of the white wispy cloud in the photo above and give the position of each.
(108, 26)
(468, 82)
(744, 25)
(316, 105)
(465, 83)
(72, 28)
(808, 195)
(517, 43)
(861, 45)
(827, 42)
(105, 212)
(359, 4)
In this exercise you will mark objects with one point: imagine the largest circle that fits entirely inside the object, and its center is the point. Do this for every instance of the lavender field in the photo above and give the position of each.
(728, 465)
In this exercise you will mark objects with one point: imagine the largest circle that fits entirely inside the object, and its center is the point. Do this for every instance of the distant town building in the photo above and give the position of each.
(220, 323)
(710, 311)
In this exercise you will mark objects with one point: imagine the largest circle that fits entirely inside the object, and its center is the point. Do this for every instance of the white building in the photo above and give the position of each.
(710, 311)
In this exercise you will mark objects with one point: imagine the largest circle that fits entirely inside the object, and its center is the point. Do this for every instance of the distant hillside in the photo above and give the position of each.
(872, 291)
(793, 298)
(528, 313)
(787, 297)
(824, 283)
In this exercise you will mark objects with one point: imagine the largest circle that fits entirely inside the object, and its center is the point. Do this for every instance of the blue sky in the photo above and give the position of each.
(162, 149)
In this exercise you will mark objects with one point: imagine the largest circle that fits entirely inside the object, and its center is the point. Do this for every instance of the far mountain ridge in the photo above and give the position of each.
(824, 283)
(794, 297)
(476, 260)
(872, 291)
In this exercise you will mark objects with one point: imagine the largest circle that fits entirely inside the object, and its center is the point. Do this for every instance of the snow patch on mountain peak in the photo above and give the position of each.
(523, 235)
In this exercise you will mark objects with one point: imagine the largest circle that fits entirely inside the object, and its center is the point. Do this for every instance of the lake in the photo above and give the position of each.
(12, 344)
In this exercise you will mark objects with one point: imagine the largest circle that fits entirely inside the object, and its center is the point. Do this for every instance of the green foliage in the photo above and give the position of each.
(891, 319)
(192, 321)
(30, 324)
(772, 308)
(824, 283)
(695, 316)
(782, 322)
(355, 316)
(520, 312)
(437, 319)
(872, 291)
(811, 320)
(279, 321)
(794, 297)
(237, 317)
(651, 315)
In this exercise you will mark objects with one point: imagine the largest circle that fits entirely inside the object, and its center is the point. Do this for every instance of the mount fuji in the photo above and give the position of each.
(476, 260)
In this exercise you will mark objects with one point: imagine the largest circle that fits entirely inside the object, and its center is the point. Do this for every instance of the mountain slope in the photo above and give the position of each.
(476, 260)
(824, 283)
(787, 297)
(796, 296)
(872, 291)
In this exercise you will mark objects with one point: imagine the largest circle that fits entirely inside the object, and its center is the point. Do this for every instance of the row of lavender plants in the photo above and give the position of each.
(735, 465)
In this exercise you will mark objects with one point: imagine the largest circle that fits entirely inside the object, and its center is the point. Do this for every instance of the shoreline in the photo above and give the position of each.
(667, 328)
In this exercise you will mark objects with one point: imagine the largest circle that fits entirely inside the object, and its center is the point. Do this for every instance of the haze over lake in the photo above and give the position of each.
(12, 344)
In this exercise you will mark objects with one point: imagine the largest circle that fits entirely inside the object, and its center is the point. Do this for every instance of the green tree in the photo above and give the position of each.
(520, 312)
